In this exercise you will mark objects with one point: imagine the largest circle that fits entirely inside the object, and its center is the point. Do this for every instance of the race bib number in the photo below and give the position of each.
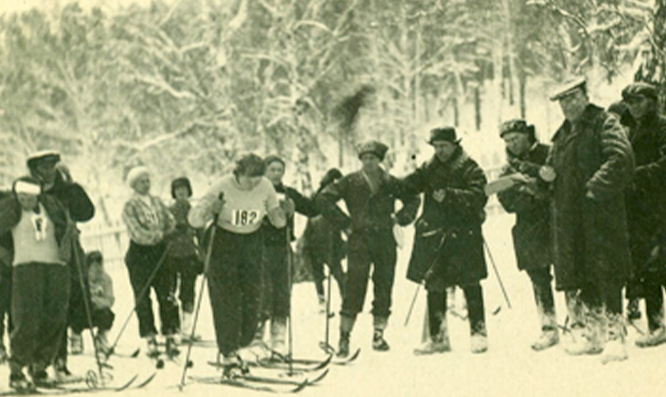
(244, 217)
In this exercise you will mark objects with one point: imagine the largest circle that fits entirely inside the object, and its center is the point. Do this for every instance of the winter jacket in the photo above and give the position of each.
(303, 205)
(101, 288)
(74, 198)
(590, 234)
(183, 241)
(646, 197)
(65, 231)
(368, 211)
(531, 204)
(448, 236)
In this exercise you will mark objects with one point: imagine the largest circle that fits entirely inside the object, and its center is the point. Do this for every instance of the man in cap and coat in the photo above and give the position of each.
(646, 206)
(593, 163)
(46, 166)
(448, 244)
(370, 196)
(531, 233)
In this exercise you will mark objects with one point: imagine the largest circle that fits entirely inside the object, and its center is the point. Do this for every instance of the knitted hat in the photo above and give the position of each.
(447, 134)
(639, 89)
(136, 173)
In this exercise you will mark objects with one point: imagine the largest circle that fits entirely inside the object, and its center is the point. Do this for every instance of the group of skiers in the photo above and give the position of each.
(590, 211)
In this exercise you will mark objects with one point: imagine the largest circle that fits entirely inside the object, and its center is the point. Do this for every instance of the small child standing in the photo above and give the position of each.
(101, 298)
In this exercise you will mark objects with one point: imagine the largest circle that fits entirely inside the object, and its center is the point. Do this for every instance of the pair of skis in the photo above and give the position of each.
(90, 387)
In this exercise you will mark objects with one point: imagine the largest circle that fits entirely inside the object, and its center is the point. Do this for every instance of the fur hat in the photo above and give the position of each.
(447, 134)
(639, 89)
(375, 147)
(517, 125)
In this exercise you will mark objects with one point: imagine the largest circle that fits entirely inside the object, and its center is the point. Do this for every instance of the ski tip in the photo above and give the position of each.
(135, 353)
(128, 383)
(355, 355)
(321, 376)
(497, 310)
(300, 387)
(146, 381)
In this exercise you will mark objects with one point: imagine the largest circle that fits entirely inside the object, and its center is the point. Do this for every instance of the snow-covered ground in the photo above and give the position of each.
(509, 368)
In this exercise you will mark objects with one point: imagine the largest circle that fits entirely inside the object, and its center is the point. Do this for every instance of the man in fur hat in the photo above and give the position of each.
(531, 233)
(370, 196)
(448, 244)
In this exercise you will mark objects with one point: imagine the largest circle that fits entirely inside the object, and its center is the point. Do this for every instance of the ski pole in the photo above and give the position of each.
(411, 306)
(138, 299)
(209, 253)
(499, 279)
(432, 266)
(289, 281)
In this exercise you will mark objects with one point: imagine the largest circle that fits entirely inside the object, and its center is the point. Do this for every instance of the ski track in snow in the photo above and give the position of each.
(509, 368)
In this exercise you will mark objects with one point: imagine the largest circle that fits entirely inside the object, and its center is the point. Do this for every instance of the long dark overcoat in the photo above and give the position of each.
(646, 197)
(590, 238)
(448, 234)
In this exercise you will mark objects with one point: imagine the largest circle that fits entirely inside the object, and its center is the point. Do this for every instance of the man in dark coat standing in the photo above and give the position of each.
(530, 202)
(46, 166)
(593, 163)
(646, 205)
(370, 196)
(448, 244)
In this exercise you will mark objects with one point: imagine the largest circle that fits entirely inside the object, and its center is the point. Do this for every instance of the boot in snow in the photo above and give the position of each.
(590, 338)
(75, 344)
(19, 382)
(152, 349)
(615, 349)
(549, 337)
(633, 310)
(438, 343)
(654, 338)
(378, 342)
(343, 345)
(171, 348)
(478, 343)
(278, 335)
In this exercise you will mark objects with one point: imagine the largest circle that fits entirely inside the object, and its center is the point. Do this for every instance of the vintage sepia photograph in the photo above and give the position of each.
(333, 197)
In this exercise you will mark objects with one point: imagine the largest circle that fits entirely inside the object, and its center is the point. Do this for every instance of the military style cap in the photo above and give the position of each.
(639, 89)
(375, 147)
(43, 156)
(568, 88)
(447, 134)
(516, 125)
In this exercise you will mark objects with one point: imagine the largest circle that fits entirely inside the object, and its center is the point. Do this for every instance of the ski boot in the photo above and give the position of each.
(19, 382)
(343, 345)
(152, 349)
(63, 375)
(75, 344)
(615, 349)
(278, 336)
(378, 342)
(233, 367)
(41, 379)
(171, 347)
(549, 337)
(653, 338)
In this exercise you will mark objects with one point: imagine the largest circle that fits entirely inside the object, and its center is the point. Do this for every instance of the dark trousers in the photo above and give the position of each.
(141, 261)
(317, 260)
(475, 309)
(543, 292)
(366, 249)
(102, 318)
(595, 296)
(276, 294)
(5, 299)
(654, 300)
(185, 271)
(40, 301)
(234, 287)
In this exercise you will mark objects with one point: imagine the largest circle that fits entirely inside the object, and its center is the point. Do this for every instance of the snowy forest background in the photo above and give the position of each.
(186, 86)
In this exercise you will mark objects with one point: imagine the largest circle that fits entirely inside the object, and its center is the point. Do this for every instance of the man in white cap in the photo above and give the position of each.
(593, 163)
(44, 165)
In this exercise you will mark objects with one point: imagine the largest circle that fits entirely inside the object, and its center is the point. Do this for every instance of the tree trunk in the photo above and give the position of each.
(522, 86)
(477, 107)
